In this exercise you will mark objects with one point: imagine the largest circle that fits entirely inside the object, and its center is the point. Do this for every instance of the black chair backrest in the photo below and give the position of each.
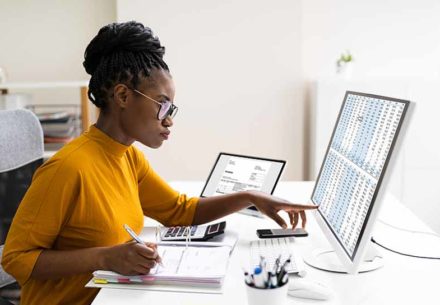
(13, 186)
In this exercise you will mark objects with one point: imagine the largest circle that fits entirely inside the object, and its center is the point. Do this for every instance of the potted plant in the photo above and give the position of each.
(344, 64)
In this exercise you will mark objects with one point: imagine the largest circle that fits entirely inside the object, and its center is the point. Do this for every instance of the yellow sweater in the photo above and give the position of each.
(81, 198)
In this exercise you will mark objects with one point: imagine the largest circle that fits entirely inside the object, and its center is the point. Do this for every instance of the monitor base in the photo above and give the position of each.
(326, 259)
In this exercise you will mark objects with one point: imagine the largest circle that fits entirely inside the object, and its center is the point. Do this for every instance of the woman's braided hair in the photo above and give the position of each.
(121, 53)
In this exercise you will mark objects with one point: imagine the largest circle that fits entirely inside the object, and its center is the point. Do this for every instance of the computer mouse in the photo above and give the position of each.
(305, 289)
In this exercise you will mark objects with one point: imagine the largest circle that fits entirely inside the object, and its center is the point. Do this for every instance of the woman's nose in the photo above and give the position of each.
(167, 122)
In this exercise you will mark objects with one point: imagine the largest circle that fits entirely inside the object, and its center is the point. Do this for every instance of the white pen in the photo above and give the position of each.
(138, 240)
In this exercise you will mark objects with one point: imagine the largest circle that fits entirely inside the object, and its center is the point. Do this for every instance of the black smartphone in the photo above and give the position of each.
(276, 233)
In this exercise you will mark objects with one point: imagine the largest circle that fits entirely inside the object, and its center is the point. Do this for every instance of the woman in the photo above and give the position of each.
(70, 221)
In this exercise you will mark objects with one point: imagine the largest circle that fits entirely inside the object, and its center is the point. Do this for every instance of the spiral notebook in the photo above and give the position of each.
(193, 266)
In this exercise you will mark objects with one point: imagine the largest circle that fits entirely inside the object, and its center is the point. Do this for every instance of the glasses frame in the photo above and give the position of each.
(171, 112)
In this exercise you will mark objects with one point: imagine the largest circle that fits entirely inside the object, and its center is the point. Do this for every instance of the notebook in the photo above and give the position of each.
(199, 268)
(187, 266)
(182, 266)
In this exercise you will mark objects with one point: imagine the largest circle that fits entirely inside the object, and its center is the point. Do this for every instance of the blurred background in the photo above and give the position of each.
(252, 77)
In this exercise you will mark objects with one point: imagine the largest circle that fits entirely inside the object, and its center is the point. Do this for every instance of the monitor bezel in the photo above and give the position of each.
(352, 262)
(251, 208)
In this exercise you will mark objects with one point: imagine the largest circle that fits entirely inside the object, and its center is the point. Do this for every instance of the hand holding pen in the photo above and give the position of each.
(149, 245)
(132, 258)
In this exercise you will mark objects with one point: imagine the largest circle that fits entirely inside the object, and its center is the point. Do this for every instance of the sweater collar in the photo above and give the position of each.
(109, 144)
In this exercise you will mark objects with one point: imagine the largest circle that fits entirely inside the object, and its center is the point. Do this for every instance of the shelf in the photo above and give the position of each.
(82, 85)
(43, 85)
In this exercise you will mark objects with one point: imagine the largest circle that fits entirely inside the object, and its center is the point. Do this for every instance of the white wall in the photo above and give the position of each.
(396, 47)
(388, 38)
(45, 41)
(240, 67)
(236, 65)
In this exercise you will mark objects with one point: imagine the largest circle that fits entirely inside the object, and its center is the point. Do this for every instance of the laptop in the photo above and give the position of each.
(231, 173)
(234, 173)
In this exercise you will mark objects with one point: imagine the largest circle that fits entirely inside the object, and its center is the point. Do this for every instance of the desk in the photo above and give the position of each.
(403, 280)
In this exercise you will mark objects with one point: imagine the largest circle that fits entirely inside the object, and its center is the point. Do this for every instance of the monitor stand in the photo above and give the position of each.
(327, 260)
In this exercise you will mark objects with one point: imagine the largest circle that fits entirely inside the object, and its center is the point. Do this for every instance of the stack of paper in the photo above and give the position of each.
(199, 266)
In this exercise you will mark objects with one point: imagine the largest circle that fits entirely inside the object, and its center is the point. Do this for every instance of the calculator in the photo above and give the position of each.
(198, 232)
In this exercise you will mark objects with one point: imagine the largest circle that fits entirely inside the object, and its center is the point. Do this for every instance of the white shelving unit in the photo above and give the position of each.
(5, 88)
(81, 85)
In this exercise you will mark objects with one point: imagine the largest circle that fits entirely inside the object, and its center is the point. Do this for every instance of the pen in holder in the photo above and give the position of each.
(264, 286)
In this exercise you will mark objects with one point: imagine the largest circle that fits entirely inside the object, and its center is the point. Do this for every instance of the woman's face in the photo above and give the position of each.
(139, 119)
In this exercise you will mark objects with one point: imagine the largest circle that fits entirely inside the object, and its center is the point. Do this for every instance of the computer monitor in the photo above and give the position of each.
(353, 178)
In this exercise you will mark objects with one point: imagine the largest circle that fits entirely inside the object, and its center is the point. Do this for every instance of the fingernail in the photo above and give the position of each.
(284, 226)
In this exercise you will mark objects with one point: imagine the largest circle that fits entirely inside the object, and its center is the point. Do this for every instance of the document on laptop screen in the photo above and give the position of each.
(242, 174)
(235, 173)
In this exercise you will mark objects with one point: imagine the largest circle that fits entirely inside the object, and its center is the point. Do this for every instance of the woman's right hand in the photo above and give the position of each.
(130, 258)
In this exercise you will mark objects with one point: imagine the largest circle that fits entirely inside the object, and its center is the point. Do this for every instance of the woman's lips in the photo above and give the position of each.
(165, 135)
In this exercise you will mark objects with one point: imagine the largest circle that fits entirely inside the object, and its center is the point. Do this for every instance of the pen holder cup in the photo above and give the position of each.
(265, 296)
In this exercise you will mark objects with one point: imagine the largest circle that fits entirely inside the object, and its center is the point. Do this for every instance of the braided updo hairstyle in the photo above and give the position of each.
(121, 53)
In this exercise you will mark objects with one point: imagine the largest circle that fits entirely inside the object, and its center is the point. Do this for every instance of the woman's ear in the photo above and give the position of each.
(121, 93)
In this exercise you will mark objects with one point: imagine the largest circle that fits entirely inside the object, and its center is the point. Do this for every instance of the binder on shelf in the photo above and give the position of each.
(60, 123)
(52, 116)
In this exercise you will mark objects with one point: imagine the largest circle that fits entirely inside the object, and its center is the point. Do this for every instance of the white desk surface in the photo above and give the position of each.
(403, 280)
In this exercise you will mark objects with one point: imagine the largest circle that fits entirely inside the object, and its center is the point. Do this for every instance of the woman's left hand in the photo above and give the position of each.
(270, 206)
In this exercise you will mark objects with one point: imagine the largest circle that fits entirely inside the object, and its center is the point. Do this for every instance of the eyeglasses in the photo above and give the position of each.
(166, 108)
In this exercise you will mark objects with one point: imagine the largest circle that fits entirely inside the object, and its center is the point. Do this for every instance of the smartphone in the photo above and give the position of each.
(277, 233)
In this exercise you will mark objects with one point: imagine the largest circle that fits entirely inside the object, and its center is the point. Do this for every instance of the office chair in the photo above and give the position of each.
(21, 153)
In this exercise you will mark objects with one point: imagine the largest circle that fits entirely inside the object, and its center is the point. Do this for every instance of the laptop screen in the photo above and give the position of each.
(233, 173)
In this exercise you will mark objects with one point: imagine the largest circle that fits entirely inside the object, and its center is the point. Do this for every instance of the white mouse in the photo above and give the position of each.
(301, 288)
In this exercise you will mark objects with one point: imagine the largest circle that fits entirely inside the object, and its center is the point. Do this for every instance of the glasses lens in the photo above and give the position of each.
(173, 111)
(167, 109)
(164, 110)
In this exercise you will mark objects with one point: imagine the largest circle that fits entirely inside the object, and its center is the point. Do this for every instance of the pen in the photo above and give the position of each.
(248, 278)
(258, 278)
(286, 262)
(284, 280)
(139, 241)
(132, 234)
(263, 269)
(277, 264)
(273, 280)
(281, 275)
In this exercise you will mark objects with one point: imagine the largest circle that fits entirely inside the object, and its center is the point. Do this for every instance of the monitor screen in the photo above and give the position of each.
(233, 173)
(355, 163)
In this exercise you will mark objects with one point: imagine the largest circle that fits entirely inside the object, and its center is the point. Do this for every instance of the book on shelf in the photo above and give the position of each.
(54, 123)
(61, 123)
(50, 116)
(64, 132)
(60, 128)
(57, 139)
